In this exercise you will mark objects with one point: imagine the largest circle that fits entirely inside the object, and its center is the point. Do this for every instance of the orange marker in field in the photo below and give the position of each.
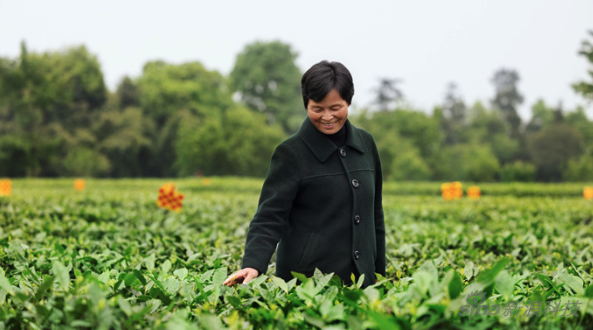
(206, 181)
(588, 193)
(5, 187)
(473, 192)
(169, 198)
(79, 184)
(451, 190)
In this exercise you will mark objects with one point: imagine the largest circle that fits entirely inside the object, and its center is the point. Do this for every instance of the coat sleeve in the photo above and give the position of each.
(271, 218)
(379, 217)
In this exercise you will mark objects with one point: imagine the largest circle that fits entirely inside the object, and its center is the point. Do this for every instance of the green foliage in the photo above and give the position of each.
(487, 127)
(63, 85)
(507, 98)
(579, 169)
(578, 119)
(400, 159)
(454, 115)
(171, 94)
(128, 93)
(404, 138)
(82, 161)
(407, 164)
(268, 80)
(173, 119)
(542, 116)
(552, 148)
(517, 172)
(237, 144)
(168, 88)
(122, 137)
(471, 162)
(586, 88)
(14, 156)
(108, 258)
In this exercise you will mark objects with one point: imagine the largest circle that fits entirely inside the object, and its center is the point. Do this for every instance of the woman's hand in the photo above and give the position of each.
(243, 276)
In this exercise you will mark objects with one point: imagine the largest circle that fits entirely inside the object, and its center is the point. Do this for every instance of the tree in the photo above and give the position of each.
(579, 170)
(471, 162)
(454, 113)
(507, 98)
(486, 127)
(167, 88)
(541, 117)
(171, 94)
(517, 172)
(388, 93)
(48, 101)
(128, 93)
(582, 87)
(122, 136)
(578, 119)
(417, 127)
(240, 143)
(267, 79)
(552, 148)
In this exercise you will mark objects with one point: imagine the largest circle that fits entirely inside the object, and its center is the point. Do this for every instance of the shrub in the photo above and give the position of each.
(517, 172)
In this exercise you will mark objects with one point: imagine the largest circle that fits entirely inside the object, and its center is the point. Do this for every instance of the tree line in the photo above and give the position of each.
(57, 118)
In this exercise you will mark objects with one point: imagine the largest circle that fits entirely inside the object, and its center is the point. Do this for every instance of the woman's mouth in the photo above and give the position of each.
(329, 125)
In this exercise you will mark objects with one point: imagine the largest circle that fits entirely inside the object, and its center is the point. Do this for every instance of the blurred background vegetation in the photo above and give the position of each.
(57, 118)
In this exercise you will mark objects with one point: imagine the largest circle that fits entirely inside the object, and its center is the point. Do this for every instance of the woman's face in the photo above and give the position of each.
(330, 114)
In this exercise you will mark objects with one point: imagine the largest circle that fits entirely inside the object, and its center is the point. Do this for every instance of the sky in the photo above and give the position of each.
(425, 44)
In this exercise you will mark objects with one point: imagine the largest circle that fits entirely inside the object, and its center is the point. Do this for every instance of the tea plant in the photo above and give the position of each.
(109, 258)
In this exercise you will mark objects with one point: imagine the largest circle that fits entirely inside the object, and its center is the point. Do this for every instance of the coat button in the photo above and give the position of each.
(357, 219)
(355, 183)
(356, 255)
(343, 152)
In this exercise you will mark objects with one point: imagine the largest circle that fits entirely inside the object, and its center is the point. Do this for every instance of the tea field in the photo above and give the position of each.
(107, 257)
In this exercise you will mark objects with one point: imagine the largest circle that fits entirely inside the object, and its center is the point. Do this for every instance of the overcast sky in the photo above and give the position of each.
(425, 43)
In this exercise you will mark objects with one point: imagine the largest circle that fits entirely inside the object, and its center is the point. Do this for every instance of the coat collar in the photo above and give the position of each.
(321, 145)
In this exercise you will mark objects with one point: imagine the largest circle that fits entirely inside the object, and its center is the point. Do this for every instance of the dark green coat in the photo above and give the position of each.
(322, 204)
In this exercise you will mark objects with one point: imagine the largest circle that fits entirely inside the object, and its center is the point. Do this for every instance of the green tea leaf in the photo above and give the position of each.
(62, 275)
(488, 276)
(468, 270)
(336, 313)
(181, 273)
(219, 276)
(206, 276)
(149, 262)
(360, 281)
(48, 282)
(280, 283)
(589, 291)
(124, 305)
(129, 279)
(505, 285)
(139, 276)
(166, 266)
(300, 277)
(574, 282)
(455, 286)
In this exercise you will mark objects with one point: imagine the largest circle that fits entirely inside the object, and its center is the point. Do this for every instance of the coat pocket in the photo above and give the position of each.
(309, 250)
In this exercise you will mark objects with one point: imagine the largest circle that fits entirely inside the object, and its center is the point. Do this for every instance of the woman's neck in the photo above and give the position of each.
(338, 138)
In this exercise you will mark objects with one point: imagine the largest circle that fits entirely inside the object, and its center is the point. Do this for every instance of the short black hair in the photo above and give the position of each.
(324, 76)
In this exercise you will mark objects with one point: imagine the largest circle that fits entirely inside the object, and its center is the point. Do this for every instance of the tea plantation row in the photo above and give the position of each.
(108, 258)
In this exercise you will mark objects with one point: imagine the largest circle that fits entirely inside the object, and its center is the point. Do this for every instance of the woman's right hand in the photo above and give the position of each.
(243, 276)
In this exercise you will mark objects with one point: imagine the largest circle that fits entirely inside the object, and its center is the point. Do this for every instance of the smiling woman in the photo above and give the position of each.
(321, 202)
(330, 114)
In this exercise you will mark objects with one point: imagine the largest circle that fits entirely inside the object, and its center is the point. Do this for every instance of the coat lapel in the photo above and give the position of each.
(321, 146)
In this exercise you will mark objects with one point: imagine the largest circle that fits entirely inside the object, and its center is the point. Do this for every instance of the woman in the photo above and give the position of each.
(321, 199)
